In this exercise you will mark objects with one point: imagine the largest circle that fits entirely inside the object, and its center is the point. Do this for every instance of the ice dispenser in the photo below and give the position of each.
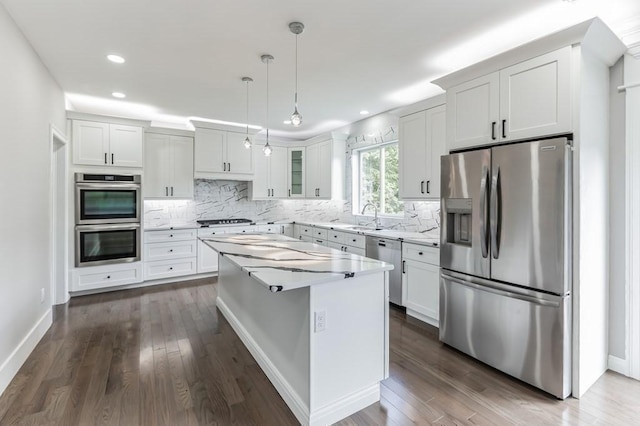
(458, 223)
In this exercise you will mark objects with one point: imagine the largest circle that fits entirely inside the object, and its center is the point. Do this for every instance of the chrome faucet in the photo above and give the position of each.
(376, 220)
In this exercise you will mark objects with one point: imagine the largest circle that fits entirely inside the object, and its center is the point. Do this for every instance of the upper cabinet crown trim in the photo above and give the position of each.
(75, 115)
(592, 35)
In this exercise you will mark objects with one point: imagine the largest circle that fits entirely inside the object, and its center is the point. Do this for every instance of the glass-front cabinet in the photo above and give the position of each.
(296, 172)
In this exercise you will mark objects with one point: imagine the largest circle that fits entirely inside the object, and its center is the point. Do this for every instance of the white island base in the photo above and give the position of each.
(322, 375)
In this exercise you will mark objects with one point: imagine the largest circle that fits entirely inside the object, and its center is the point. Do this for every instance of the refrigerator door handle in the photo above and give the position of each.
(503, 292)
(495, 214)
(484, 213)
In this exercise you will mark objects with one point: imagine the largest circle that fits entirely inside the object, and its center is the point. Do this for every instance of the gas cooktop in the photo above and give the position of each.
(204, 223)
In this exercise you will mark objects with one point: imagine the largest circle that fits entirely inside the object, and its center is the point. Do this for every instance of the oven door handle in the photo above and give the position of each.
(108, 185)
(107, 227)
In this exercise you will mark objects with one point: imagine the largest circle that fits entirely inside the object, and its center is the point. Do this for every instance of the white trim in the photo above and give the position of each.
(618, 365)
(422, 317)
(346, 406)
(286, 391)
(633, 231)
(58, 291)
(12, 364)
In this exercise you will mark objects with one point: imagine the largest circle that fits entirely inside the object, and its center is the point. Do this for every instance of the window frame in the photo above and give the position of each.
(357, 180)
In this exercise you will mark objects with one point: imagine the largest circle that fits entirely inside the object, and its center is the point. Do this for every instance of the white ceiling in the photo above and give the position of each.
(186, 58)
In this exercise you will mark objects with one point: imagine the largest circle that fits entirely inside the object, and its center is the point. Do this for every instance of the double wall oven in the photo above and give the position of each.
(108, 215)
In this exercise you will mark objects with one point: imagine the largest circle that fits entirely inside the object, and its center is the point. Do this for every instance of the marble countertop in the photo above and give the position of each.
(282, 263)
(410, 237)
(192, 225)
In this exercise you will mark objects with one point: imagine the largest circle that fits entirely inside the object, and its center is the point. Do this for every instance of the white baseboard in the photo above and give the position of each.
(346, 406)
(286, 391)
(618, 365)
(12, 364)
(422, 317)
(142, 284)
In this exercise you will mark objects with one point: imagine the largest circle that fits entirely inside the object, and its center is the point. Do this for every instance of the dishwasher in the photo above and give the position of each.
(389, 251)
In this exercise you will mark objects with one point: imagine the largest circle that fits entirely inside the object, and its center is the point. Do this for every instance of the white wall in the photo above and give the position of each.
(30, 102)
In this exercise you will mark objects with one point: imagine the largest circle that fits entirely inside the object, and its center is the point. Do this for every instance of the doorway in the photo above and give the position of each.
(59, 249)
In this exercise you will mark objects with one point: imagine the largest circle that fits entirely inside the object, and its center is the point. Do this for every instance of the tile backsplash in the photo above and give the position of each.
(216, 199)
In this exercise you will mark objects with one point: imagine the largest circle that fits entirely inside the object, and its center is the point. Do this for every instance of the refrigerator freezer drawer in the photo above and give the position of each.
(520, 335)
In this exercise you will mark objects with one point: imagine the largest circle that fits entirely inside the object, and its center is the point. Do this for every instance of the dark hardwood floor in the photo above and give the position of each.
(166, 356)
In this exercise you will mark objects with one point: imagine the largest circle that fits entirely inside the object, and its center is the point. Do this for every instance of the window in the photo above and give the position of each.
(377, 179)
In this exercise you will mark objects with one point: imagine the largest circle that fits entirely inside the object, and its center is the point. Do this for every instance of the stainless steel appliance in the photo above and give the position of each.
(205, 223)
(505, 257)
(107, 243)
(108, 214)
(389, 251)
(107, 198)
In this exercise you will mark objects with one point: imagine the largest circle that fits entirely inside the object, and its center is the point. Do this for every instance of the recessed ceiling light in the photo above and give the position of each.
(364, 112)
(118, 95)
(115, 58)
(286, 122)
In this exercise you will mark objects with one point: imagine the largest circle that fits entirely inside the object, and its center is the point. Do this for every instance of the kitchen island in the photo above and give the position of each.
(315, 319)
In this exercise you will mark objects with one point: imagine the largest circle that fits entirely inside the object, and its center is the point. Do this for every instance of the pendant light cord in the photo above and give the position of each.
(247, 107)
(267, 102)
(296, 72)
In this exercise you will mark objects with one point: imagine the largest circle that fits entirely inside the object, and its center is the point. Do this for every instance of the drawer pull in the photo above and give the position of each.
(171, 236)
(171, 251)
(108, 277)
(171, 268)
(420, 253)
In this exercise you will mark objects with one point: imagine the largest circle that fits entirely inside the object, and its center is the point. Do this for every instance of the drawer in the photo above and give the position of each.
(270, 229)
(241, 229)
(355, 240)
(170, 235)
(320, 241)
(306, 231)
(169, 268)
(355, 250)
(320, 233)
(336, 246)
(420, 253)
(306, 238)
(171, 250)
(337, 237)
(106, 276)
(209, 232)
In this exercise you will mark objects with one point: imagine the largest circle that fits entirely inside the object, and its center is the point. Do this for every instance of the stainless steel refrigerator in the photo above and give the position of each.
(505, 258)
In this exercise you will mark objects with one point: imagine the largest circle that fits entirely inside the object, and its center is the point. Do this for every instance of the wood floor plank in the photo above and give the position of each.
(166, 356)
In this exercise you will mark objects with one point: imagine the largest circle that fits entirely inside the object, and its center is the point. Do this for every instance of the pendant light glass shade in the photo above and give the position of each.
(247, 141)
(267, 148)
(296, 117)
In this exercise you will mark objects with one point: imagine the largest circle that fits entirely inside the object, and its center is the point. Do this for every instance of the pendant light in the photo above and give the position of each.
(296, 117)
(266, 59)
(247, 141)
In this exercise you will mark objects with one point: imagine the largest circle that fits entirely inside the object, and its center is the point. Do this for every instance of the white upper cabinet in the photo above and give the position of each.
(296, 172)
(472, 116)
(270, 174)
(535, 97)
(104, 144)
(168, 168)
(319, 170)
(526, 100)
(221, 155)
(421, 143)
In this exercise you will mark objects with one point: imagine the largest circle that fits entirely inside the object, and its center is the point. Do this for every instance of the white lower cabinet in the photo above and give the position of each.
(96, 277)
(421, 282)
(344, 241)
(207, 257)
(169, 253)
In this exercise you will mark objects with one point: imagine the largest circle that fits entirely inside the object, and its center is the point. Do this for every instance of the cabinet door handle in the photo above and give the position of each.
(229, 166)
(504, 126)
(493, 130)
(289, 193)
(224, 166)
(422, 187)
(403, 263)
(428, 190)
(105, 158)
(172, 191)
(166, 191)
(111, 158)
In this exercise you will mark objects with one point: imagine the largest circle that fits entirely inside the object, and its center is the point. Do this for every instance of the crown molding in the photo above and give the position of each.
(630, 36)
